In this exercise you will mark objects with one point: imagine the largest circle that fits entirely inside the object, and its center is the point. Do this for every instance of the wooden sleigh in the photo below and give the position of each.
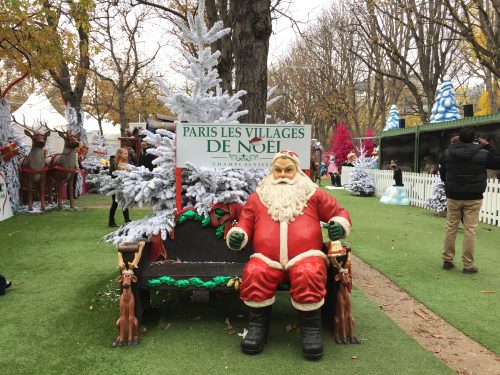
(196, 258)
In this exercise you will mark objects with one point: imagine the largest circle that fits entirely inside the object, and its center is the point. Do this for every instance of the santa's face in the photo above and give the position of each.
(284, 169)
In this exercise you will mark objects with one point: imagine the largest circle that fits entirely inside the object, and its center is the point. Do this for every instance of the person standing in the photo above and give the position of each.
(282, 218)
(463, 170)
(120, 162)
(333, 171)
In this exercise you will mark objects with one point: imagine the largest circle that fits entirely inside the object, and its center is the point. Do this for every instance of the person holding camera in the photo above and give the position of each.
(463, 170)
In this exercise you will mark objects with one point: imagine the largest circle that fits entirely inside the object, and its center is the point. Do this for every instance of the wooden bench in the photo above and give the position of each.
(195, 252)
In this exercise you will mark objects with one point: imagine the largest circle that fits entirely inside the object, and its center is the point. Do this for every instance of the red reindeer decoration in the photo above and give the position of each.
(343, 322)
(62, 167)
(127, 324)
(32, 167)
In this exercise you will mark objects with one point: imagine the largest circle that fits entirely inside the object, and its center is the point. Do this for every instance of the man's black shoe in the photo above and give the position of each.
(448, 265)
(470, 270)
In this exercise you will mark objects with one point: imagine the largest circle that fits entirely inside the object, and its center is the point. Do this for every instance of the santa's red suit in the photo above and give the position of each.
(287, 251)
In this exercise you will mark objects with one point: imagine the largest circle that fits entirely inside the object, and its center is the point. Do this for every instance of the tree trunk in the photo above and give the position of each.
(123, 115)
(220, 12)
(251, 31)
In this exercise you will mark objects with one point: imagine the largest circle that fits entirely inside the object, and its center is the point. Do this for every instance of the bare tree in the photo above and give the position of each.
(428, 50)
(99, 99)
(478, 23)
(123, 62)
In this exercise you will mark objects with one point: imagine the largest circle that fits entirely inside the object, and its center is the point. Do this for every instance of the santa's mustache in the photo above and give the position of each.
(284, 180)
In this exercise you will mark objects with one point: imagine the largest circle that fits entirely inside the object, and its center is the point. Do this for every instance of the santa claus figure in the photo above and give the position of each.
(283, 219)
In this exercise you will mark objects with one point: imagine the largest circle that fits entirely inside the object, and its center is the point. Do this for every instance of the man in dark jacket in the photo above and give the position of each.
(463, 170)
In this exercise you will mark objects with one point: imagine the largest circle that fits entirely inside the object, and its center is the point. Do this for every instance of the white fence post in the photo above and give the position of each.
(418, 187)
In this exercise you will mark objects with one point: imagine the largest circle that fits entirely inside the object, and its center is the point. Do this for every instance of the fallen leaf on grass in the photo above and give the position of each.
(436, 349)
(438, 336)
(421, 314)
(354, 357)
(487, 291)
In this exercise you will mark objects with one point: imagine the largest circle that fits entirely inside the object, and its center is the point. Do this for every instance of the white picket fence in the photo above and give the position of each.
(418, 187)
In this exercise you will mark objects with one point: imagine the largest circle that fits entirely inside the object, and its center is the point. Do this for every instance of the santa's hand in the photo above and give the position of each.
(235, 240)
(335, 231)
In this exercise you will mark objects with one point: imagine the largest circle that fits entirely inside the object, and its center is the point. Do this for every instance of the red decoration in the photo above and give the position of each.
(9, 151)
(232, 212)
(82, 151)
(368, 144)
(157, 248)
(341, 142)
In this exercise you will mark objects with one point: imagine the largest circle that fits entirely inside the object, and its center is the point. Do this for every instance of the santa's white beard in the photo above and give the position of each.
(284, 198)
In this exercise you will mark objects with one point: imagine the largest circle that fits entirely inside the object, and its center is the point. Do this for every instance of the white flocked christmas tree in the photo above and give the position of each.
(445, 107)
(204, 102)
(96, 161)
(9, 167)
(393, 119)
(437, 200)
(361, 181)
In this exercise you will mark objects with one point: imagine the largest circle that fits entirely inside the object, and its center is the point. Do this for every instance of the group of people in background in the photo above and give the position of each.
(334, 169)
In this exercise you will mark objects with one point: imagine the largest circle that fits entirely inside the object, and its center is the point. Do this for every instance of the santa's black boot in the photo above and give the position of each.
(311, 338)
(258, 328)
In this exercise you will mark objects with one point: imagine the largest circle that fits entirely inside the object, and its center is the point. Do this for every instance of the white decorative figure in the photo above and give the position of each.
(445, 107)
(393, 120)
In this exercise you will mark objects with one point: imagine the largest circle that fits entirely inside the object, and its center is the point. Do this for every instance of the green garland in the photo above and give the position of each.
(205, 220)
(193, 281)
(193, 215)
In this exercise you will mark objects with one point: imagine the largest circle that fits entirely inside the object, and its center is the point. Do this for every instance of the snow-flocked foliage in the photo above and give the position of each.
(437, 200)
(93, 163)
(393, 119)
(361, 181)
(74, 126)
(445, 107)
(10, 167)
(206, 102)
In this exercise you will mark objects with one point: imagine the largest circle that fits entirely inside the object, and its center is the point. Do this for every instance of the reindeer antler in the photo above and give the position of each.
(23, 125)
(121, 263)
(137, 256)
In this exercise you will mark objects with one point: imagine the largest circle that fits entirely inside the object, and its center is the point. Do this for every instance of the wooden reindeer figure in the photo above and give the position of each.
(32, 167)
(127, 324)
(62, 167)
(343, 321)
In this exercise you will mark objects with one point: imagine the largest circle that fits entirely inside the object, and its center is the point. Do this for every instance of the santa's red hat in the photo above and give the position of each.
(285, 154)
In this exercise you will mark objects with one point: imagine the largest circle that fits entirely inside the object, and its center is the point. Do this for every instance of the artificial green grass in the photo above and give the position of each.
(59, 317)
(405, 243)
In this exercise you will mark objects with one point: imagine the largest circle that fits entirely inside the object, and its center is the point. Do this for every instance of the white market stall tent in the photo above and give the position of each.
(35, 110)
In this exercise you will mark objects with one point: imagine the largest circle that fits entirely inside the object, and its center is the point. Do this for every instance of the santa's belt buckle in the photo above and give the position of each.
(336, 253)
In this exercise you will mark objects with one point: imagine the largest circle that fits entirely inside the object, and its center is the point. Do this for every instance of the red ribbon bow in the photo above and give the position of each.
(232, 212)
(9, 151)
